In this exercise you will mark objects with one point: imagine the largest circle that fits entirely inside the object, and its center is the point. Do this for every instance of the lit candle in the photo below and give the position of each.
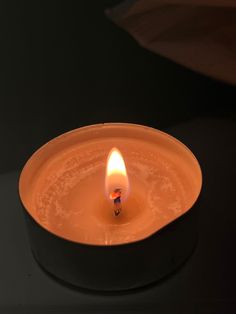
(106, 186)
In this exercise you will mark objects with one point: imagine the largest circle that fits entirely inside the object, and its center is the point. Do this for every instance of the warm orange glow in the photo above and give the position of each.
(116, 175)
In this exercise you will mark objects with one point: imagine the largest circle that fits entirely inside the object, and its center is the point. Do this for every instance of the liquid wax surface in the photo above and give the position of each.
(68, 193)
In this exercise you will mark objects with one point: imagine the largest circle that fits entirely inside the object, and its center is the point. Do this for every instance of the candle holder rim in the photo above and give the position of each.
(96, 125)
(85, 128)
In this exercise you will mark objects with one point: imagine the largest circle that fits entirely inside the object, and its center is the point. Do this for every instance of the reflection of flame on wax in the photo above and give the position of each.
(116, 176)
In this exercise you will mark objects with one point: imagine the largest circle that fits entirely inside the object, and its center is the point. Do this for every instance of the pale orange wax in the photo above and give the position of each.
(62, 186)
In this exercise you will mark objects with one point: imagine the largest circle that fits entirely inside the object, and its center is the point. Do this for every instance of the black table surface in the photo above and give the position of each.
(204, 284)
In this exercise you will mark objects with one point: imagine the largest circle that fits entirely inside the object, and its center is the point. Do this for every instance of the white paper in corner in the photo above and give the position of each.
(199, 34)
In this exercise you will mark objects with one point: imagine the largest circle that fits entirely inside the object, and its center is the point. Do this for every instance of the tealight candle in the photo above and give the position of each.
(98, 199)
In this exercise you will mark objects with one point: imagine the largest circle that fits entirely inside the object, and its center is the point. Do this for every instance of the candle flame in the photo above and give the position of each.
(116, 175)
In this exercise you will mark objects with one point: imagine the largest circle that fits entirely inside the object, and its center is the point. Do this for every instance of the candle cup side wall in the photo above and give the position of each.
(118, 267)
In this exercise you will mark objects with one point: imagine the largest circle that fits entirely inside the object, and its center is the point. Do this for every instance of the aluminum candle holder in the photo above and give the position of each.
(72, 187)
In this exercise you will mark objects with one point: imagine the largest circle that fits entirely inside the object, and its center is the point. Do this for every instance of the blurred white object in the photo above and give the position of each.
(199, 34)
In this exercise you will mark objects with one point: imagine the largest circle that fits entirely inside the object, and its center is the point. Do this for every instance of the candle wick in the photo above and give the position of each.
(117, 204)
(116, 196)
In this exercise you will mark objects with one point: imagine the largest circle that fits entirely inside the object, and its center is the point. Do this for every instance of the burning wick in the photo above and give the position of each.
(116, 197)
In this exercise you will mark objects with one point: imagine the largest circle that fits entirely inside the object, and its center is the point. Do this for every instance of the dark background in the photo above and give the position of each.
(63, 65)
